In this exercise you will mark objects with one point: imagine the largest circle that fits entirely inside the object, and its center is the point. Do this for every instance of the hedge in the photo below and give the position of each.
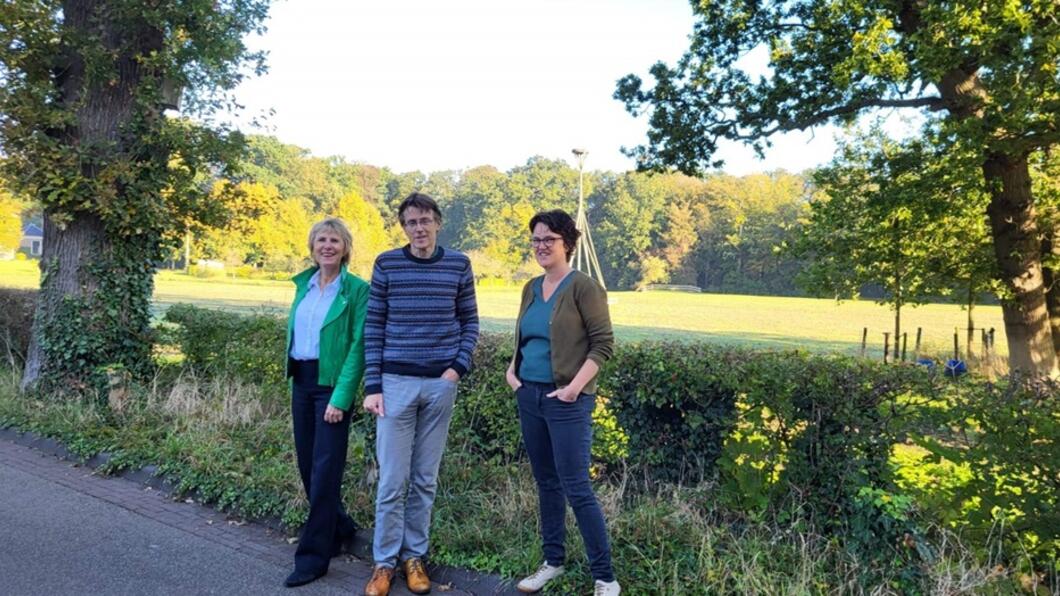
(794, 433)
(780, 423)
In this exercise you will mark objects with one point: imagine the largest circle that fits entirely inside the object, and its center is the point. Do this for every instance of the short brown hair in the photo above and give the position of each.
(421, 201)
(560, 222)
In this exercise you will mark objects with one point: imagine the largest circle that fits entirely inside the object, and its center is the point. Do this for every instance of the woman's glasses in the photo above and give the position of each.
(545, 242)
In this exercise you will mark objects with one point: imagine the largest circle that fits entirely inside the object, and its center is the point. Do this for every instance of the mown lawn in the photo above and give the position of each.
(760, 321)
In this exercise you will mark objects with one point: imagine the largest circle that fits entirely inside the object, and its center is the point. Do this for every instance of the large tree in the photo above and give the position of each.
(988, 69)
(83, 84)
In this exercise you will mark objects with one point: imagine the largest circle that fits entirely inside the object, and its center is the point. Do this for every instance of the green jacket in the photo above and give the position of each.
(579, 328)
(341, 337)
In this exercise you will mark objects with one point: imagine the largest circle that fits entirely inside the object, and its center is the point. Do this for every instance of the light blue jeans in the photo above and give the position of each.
(410, 439)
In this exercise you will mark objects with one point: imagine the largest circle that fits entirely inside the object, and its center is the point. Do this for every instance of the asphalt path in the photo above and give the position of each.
(64, 530)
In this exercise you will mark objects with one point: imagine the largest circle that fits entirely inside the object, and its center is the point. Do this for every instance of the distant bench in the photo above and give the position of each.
(669, 288)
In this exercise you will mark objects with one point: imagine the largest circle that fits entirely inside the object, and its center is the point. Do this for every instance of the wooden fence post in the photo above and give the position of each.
(886, 345)
(905, 341)
(916, 351)
(864, 340)
(956, 345)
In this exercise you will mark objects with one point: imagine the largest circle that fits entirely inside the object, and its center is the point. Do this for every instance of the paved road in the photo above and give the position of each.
(66, 531)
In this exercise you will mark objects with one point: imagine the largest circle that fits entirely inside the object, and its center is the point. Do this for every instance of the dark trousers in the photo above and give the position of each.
(558, 438)
(321, 450)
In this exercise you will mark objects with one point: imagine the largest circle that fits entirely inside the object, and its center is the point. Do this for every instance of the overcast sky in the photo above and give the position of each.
(429, 85)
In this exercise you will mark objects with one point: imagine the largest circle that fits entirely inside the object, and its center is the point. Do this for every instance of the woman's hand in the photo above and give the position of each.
(374, 403)
(568, 394)
(513, 381)
(333, 414)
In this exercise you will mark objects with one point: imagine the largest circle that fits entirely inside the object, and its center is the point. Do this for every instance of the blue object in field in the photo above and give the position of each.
(956, 368)
(927, 363)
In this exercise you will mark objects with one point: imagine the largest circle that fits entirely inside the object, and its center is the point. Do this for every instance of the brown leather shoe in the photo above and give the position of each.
(416, 577)
(379, 585)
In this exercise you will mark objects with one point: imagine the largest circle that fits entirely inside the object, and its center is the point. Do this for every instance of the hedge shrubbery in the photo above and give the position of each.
(676, 403)
(249, 348)
(994, 450)
(788, 432)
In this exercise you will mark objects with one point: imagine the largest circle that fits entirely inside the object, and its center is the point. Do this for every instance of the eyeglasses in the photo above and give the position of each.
(546, 242)
(423, 222)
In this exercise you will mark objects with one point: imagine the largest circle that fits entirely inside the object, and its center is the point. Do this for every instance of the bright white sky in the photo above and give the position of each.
(433, 85)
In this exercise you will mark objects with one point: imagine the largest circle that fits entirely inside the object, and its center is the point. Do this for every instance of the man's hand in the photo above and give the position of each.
(333, 414)
(374, 403)
(451, 375)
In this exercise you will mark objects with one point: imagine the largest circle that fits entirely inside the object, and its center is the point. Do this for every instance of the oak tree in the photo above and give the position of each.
(987, 70)
(83, 87)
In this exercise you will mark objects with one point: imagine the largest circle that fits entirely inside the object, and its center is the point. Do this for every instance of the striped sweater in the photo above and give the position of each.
(422, 316)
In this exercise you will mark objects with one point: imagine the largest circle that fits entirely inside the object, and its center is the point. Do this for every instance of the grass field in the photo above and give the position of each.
(759, 321)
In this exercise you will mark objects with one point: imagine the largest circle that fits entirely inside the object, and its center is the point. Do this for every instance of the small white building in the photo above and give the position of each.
(32, 240)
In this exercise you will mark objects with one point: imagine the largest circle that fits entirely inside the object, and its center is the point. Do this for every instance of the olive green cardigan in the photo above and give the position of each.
(579, 328)
(341, 336)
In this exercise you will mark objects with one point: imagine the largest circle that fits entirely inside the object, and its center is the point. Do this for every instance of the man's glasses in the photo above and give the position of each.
(546, 242)
(423, 222)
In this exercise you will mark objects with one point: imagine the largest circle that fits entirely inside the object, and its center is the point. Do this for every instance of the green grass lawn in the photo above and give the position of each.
(759, 321)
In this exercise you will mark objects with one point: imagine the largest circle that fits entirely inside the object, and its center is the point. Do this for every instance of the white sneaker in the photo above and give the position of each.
(607, 588)
(544, 574)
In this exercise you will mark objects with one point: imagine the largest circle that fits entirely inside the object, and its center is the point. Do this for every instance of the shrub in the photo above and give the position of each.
(16, 322)
(486, 419)
(830, 422)
(1000, 443)
(814, 434)
(249, 348)
(673, 401)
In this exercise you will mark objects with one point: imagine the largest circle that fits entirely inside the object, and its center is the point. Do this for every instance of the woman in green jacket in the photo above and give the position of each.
(325, 361)
(563, 336)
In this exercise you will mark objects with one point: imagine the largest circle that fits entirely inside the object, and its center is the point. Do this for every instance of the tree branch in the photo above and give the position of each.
(933, 103)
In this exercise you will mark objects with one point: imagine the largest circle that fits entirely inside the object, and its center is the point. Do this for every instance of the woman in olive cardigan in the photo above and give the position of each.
(325, 361)
(563, 337)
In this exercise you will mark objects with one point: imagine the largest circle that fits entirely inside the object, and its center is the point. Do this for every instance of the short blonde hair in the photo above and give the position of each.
(337, 227)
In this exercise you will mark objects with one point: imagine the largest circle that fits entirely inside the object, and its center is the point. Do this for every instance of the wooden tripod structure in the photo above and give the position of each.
(585, 254)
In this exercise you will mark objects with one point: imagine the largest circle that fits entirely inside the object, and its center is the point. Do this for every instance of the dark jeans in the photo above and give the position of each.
(321, 450)
(558, 436)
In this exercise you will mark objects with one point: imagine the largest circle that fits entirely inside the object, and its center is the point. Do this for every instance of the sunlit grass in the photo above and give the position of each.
(758, 321)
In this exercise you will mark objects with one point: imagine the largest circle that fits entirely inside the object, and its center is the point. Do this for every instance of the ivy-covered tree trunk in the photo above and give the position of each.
(93, 310)
(1017, 245)
(83, 132)
(96, 283)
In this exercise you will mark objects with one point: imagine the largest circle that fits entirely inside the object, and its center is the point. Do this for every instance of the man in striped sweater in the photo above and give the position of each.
(421, 329)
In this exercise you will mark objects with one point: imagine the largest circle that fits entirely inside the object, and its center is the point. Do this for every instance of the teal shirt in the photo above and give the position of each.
(536, 349)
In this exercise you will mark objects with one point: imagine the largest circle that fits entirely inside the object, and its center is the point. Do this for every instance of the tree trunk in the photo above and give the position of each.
(897, 328)
(64, 278)
(971, 320)
(1017, 246)
(94, 289)
(1051, 277)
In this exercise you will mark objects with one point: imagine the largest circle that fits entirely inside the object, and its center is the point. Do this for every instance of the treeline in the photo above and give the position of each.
(720, 233)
